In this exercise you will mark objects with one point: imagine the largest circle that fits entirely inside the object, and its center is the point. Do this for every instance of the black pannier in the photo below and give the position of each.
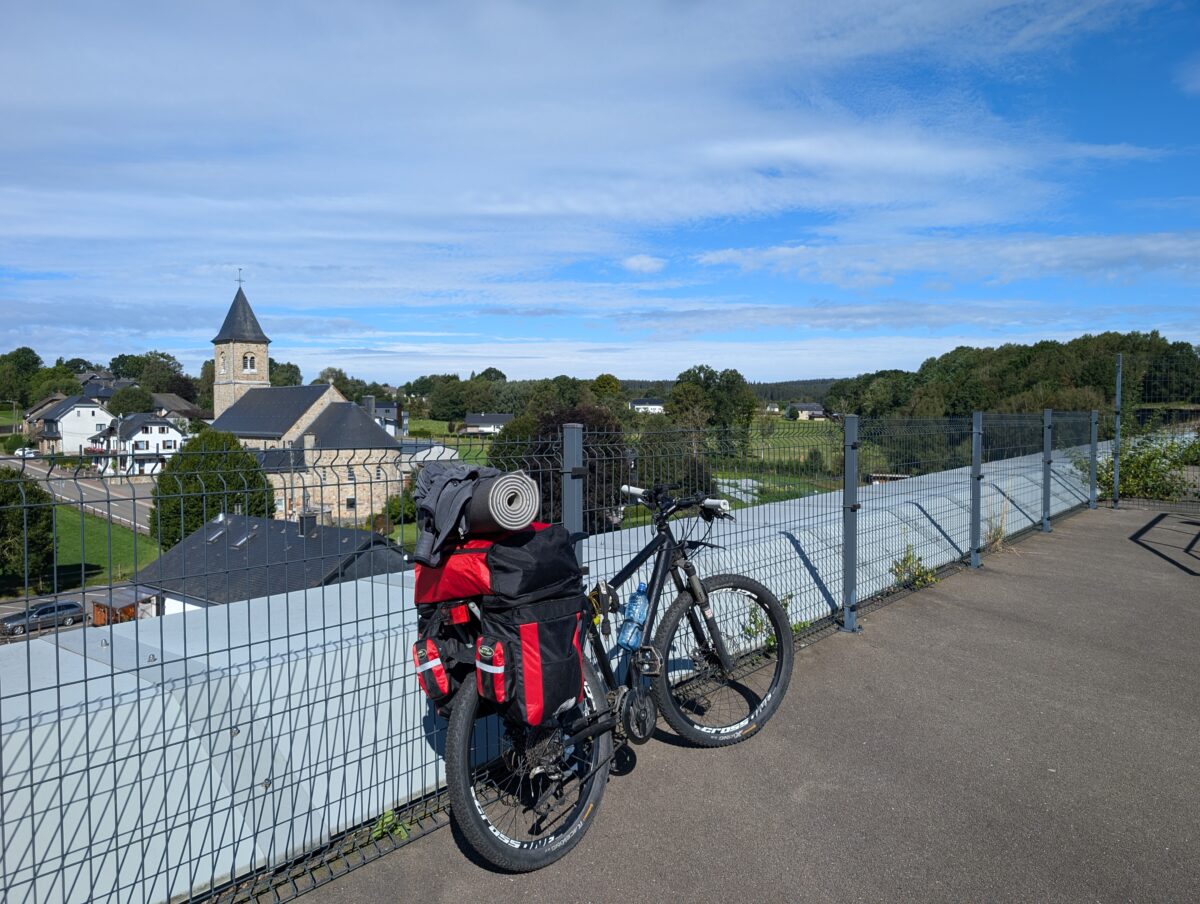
(529, 658)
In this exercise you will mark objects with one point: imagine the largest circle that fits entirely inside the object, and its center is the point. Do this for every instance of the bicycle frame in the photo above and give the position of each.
(670, 559)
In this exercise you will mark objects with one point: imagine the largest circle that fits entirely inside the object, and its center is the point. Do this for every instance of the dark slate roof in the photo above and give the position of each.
(236, 557)
(280, 461)
(240, 323)
(65, 406)
(809, 406)
(487, 420)
(131, 425)
(646, 402)
(269, 412)
(169, 401)
(343, 425)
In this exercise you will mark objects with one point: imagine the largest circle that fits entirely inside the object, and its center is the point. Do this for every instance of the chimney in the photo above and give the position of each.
(369, 404)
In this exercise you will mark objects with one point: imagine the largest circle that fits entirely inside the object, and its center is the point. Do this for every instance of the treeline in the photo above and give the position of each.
(778, 391)
(1078, 375)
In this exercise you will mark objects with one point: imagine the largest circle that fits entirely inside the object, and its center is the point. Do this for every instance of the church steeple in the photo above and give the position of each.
(240, 357)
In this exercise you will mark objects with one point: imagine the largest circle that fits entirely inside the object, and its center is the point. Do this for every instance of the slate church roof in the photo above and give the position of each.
(268, 412)
(240, 323)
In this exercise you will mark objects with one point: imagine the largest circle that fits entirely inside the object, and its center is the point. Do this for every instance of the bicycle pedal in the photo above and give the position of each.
(648, 661)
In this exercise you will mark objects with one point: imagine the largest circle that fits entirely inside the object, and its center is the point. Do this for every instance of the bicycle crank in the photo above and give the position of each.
(639, 715)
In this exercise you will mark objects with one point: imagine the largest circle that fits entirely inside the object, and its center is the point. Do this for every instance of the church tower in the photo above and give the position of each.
(240, 359)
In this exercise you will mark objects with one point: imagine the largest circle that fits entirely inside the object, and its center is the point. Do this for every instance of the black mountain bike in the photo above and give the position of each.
(717, 669)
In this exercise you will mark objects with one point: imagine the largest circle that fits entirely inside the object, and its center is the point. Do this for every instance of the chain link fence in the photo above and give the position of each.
(206, 689)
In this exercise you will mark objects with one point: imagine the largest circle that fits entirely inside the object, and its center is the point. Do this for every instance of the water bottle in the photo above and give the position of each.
(636, 611)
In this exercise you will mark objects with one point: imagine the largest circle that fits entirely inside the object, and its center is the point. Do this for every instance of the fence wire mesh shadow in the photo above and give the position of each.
(238, 717)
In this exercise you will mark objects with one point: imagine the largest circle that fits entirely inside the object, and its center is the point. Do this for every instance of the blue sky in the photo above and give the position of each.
(791, 189)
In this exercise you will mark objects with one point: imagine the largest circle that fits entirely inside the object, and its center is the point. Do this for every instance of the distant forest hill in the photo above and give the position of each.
(1079, 375)
(782, 391)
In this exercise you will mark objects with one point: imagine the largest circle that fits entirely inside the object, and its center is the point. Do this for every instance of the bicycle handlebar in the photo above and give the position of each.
(716, 506)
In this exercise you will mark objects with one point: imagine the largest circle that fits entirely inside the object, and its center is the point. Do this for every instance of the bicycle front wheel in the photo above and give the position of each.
(520, 798)
(699, 699)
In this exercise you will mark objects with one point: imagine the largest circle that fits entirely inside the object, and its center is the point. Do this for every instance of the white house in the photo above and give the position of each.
(135, 444)
(648, 406)
(484, 423)
(67, 427)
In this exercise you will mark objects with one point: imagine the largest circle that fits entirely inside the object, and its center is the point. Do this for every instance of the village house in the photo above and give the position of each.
(135, 444)
(67, 426)
(322, 453)
(482, 423)
(648, 406)
(809, 411)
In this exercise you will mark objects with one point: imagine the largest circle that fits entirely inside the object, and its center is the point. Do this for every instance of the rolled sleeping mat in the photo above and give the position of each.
(508, 502)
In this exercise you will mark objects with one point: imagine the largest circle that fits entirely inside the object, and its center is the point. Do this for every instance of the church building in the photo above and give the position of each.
(325, 456)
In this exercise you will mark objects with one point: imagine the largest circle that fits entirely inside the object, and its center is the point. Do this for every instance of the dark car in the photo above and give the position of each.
(43, 615)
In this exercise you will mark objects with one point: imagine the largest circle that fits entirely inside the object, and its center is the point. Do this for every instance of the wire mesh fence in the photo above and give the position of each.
(1158, 413)
(206, 686)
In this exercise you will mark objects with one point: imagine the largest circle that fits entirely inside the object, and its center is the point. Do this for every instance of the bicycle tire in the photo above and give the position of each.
(505, 772)
(701, 703)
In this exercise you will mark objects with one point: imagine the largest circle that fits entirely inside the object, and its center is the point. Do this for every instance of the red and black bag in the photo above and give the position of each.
(529, 587)
(444, 653)
(528, 659)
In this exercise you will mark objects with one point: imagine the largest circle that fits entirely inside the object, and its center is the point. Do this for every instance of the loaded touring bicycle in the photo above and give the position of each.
(537, 695)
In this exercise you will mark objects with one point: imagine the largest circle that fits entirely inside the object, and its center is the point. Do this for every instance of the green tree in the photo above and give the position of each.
(446, 400)
(127, 367)
(204, 386)
(77, 365)
(16, 372)
(283, 373)
(129, 400)
(160, 372)
(26, 529)
(211, 474)
(492, 375)
(350, 387)
(52, 379)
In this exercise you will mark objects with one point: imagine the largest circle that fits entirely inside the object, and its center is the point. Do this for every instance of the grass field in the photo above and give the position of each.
(93, 551)
(9, 417)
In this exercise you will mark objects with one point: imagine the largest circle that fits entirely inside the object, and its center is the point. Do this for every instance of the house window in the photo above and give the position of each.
(141, 446)
(350, 503)
(249, 365)
(162, 429)
(147, 430)
(379, 472)
(168, 444)
(350, 473)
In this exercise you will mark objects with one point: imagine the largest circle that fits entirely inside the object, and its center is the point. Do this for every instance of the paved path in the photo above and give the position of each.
(1026, 732)
(125, 503)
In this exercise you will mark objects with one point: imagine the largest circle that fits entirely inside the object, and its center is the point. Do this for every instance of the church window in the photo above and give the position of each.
(221, 360)
(248, 364)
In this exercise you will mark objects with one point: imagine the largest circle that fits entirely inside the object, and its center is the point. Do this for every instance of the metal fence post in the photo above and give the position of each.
(976, 485)
(573, 475)
(1047, 459)
(1116, 453)
(850, 507)
(1093, 461)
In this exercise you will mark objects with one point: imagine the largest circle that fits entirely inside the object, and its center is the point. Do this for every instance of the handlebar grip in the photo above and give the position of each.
(719, 505)
(632, 492)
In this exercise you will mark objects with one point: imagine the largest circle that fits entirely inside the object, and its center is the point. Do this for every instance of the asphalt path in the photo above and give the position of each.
(125, 503)
(1025, 732)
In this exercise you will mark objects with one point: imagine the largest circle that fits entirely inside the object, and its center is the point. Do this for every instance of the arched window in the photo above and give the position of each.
(221, 359)
(248, 364)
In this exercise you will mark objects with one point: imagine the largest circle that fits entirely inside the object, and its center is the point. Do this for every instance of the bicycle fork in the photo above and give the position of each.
(696, 587)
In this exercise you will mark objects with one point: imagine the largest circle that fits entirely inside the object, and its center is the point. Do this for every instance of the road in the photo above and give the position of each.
(124, 503)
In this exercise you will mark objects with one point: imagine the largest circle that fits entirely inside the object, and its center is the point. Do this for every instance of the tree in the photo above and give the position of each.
(52, 379)
(16, 372)
(127, 367)
(446, 402)
(350, 387)
(130, 400)
(160, 372)
(283, 373)
(211, 474)
(26, 528)
(77, 365)
(204, 386)
(491, 375)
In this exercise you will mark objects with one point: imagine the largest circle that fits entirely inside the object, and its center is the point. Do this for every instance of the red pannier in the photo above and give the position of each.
(444, 653)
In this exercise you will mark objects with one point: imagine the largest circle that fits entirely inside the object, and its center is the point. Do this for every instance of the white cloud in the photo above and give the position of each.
(1188, 76)
(643, 263)
(998, 259)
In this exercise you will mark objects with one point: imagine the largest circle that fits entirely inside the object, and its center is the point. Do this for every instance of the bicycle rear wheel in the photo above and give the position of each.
(698, 699)
(519, 798)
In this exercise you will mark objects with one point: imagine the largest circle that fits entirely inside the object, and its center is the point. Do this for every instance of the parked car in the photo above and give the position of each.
(43, 615)
(26, 452)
